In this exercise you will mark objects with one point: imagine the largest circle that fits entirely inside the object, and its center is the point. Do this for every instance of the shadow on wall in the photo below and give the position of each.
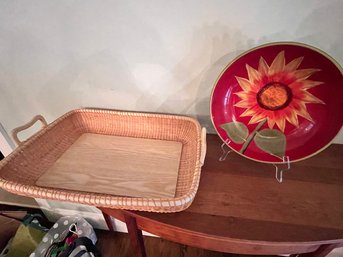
(212, 47)
(96, 69)
(321, 28)
(96, 80)
(108, 75)
(216, 45)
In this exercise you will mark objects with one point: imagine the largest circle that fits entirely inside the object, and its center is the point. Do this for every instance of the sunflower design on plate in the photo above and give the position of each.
(277, 93)
(274, 99)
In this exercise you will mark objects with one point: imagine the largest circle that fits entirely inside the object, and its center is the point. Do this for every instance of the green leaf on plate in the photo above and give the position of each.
(271, 141)
(237, 131)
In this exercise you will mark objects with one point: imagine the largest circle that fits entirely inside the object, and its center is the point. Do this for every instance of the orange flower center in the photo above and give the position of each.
(274, 96)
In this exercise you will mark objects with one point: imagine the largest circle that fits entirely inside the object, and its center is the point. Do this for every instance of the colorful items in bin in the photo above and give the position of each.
(27, 237)
(69, 236)
(82, 247)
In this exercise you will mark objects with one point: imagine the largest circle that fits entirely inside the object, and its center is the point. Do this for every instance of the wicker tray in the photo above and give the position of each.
(55, 151)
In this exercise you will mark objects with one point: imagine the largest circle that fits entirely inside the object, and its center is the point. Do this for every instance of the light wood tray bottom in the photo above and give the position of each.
(116, 165)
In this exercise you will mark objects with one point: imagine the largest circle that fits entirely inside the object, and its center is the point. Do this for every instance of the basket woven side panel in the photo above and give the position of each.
(32, 160)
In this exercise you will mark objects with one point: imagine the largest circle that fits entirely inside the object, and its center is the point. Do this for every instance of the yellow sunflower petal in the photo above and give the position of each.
(304, 84)
(256, 118)
(278, 64)
(243, 104)
(303, 112)
(310, 83)
(248, 112)
(244, 83)
(309, 98)
(304, 73)
(243, 95)
(281, 123)
(271, 123)
(263, 66)
(252, 74)
(294, 64)
(293, 118)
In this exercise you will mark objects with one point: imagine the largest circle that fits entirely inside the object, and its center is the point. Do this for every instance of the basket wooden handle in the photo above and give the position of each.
(15, 131)
(203, 146)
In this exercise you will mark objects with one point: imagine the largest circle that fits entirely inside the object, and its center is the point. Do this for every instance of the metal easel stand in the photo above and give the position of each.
(225, 150)
(280, 168)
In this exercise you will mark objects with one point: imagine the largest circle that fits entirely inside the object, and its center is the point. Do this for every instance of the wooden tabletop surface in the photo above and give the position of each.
(240, 203)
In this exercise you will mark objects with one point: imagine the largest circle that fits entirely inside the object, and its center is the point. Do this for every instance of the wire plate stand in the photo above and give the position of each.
(280, 168)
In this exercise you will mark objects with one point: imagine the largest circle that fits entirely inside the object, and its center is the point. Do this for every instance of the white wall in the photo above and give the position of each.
(160, 56)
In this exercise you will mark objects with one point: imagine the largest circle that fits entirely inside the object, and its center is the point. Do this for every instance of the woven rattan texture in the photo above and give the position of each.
(20, 171)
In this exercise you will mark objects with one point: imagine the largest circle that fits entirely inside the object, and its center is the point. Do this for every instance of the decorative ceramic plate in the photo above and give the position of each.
(279, 101)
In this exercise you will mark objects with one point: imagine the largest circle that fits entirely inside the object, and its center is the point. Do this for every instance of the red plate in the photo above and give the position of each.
(277, 101)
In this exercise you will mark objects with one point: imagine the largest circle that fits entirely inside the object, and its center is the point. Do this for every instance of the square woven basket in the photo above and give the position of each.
(20, 170)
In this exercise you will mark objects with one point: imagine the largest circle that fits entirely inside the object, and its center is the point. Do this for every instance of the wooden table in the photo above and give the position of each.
(241, 208)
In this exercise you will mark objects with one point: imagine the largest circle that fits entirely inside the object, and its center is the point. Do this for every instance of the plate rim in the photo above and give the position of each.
(339, 67)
